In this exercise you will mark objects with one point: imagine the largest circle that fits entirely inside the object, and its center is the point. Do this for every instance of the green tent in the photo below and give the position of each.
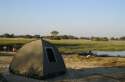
(38, 59)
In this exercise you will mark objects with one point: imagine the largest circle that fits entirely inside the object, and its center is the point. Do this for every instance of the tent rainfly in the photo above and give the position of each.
(38, 59)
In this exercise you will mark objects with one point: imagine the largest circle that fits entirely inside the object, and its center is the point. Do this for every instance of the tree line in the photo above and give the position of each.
(55, 36)
(7, 35)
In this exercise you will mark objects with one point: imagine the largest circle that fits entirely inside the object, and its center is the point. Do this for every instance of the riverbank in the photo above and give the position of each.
(72, 46)
(77, 62)
(75, 46)
(93, 69)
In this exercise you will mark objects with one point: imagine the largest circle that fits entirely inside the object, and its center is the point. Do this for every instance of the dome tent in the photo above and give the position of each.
(38, 59)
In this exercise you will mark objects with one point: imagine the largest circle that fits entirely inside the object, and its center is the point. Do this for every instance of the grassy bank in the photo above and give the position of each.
(67, 46)
(83, 45)
(13, 41)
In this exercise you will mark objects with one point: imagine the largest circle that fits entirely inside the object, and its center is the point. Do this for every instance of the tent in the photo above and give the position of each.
(38, 59)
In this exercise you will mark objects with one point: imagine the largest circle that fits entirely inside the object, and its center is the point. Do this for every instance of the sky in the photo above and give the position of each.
(71, 17)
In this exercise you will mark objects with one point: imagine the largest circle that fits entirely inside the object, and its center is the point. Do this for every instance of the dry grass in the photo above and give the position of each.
(93, 69)
(4, 62)
(78, 62)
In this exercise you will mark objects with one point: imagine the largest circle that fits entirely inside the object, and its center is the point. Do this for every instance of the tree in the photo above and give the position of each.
(7, 35)
(54, 33)
(27, 36)
(99, 38)
(122, 38)
(36, 36)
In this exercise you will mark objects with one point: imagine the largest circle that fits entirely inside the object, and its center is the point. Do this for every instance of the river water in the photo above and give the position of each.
(110, 53)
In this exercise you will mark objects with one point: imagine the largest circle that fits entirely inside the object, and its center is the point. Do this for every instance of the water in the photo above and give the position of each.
(111, 53)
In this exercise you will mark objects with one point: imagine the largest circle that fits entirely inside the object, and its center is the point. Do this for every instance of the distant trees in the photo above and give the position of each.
(68, 37)
(28, 36)
(54, 33)
(99, 38)
(114, 38)
(60, 37)
(86, 38)
(7, 35)
(55, 36)
(122, 38)
(37, 36)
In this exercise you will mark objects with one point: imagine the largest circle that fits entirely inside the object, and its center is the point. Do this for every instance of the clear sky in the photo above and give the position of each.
(76, 17)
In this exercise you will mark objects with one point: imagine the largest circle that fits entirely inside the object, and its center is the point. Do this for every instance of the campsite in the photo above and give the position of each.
(62, 40)
(79, 68)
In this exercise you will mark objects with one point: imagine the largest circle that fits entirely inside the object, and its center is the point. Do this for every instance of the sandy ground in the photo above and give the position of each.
(82, 69)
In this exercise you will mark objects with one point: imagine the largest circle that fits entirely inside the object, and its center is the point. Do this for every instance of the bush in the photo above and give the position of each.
(99, 39)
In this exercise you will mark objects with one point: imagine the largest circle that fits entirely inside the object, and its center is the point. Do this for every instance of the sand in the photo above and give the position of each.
(83, 71)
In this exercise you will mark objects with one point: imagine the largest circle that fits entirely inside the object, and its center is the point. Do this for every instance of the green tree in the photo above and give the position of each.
(54, 33)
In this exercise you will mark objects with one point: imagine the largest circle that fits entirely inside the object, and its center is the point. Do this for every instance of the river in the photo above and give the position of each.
(110, 53)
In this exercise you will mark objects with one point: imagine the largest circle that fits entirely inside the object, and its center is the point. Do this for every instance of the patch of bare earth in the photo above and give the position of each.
(78, 62)
(91, 69)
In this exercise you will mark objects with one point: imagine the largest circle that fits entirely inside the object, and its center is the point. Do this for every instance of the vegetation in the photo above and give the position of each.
(62, 37)
(13, 41)
(75, 61)
(7, 35)
(99, 38)
(71, 46)
(55, 36)
(54, 33)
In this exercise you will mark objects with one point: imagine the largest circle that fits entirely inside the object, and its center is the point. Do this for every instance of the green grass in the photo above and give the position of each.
(13, 41)
(84, 45)
(68, 46)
